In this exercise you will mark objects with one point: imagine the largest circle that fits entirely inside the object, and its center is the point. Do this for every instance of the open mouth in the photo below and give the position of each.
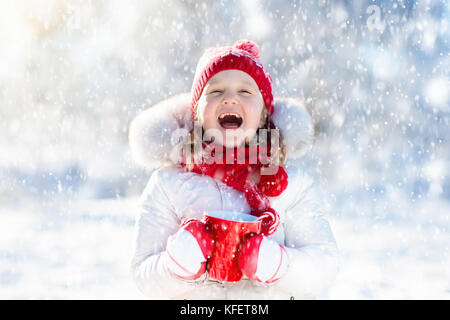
(230, 120)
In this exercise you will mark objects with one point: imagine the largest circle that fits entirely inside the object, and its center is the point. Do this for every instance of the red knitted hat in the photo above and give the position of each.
(244, 56)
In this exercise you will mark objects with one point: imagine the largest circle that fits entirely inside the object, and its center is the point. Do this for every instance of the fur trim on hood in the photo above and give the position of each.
(156, 134)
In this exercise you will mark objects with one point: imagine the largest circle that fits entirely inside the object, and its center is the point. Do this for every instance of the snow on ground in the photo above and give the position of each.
(391, 247)
(395, 260)
(74, 251)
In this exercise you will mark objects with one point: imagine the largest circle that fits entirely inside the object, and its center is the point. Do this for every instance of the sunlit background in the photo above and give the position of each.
(73, 74)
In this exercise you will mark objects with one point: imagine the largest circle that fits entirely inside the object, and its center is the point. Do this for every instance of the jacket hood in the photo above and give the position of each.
(156, 134)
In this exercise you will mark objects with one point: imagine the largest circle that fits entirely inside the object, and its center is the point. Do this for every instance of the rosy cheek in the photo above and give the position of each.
(254, 109)
(211, 98)
(207, 117)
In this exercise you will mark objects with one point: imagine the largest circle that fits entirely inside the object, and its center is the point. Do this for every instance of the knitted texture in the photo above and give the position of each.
(243, 56)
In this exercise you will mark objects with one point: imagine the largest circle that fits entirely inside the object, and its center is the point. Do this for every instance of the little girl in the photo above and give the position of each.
(228, 145)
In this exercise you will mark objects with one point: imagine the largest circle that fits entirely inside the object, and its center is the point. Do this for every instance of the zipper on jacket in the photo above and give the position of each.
(220, 191)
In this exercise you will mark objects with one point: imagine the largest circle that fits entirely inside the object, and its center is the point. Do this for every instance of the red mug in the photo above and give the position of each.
(228, 228)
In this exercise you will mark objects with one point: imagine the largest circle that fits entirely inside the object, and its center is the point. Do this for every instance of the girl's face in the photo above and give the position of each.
(230, 108)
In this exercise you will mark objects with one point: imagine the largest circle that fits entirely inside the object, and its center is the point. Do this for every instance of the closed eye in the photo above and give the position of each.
(245, 91)
(215, 91)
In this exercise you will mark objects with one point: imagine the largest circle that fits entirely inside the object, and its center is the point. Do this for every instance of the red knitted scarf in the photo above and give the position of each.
(234, 168)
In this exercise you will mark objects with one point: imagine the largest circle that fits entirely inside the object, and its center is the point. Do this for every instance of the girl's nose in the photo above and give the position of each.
(229, 98)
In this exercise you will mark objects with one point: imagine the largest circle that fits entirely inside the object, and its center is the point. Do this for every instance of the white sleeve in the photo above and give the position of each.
(310, 244)
(155, 223)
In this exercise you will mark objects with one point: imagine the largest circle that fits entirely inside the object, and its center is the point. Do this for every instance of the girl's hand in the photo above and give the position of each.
(262, 259)
(189, 249)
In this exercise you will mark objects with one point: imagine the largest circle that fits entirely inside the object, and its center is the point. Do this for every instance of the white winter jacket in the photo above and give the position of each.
(173, 194)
